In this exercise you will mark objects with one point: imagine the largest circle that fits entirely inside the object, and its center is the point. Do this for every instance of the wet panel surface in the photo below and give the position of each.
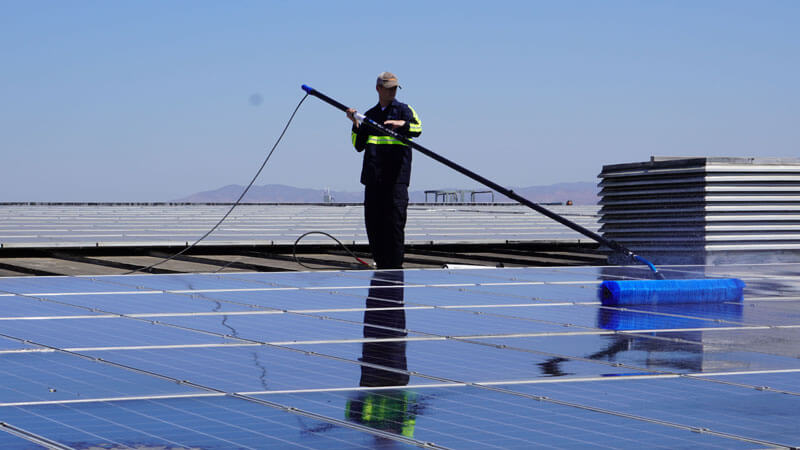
(326, 279)
(102, 332)
(54, 376)
(781, 381)
(18, 306)
(29, 285)
(575, 352)
(772, 313)
(510, 275)
(151, 303)
(601, 318)
(294, 300)
(466, 417)
(182, 423)
(474, 363)
(11, 441)
(770, 341)
(252, 368)
(740, 411)
(472, 322)
(282, 327)
(749, 313)
(524, 293)
(651, 353)
(174, 282)
(13, 344)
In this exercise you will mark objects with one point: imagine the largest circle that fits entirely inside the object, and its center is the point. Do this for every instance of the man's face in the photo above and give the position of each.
(386, 93)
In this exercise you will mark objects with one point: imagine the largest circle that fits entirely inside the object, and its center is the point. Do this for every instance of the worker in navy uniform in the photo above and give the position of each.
(386, 171)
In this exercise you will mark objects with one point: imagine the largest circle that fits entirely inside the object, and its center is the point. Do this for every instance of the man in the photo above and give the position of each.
(386, 172)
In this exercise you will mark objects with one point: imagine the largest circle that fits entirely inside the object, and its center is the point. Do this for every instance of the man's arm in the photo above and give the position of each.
(411, 127)
(357, 134)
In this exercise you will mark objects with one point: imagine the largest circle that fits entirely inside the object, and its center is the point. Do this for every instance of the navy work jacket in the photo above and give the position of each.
(387, 160)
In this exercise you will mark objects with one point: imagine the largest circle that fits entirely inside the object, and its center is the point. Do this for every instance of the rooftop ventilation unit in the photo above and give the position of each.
(706, 210)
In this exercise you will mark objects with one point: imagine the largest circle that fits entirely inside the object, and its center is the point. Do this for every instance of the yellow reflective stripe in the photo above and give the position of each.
(384, 140)
(366, 410)
(408, 427)
(415, 127)
(353, 136)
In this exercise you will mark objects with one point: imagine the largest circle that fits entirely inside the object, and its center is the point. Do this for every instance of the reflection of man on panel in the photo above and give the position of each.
(386, 291)
(388, 410)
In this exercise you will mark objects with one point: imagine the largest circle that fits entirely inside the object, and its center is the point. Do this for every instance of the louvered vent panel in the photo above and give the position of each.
(691, 209)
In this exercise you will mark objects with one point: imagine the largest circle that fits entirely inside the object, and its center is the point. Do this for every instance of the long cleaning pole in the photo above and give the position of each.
(616, 246)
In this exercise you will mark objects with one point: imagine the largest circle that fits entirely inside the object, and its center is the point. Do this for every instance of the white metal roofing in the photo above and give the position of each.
(164, 224)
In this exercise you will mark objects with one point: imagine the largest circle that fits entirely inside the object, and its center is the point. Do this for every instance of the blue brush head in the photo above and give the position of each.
(659, 292)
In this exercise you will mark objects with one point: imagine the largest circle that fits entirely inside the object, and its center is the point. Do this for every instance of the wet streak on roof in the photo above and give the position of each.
(504, 358)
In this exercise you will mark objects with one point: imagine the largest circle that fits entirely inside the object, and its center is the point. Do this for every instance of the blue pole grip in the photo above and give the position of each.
(311, 91)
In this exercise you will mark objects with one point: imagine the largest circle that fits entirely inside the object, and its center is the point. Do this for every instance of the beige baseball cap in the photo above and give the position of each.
(388, 80)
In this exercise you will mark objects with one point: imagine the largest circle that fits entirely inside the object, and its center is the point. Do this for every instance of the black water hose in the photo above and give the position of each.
(235, 204)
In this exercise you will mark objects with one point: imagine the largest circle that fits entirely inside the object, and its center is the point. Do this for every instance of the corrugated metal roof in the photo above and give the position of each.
(158, 225)
(77, 239)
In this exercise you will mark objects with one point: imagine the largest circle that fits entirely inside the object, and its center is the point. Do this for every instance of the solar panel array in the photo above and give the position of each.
(490, 358)
(148, 225)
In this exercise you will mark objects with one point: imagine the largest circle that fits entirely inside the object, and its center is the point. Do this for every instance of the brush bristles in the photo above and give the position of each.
(656, 292)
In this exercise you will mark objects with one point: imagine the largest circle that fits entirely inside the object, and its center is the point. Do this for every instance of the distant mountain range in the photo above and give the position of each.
(581, 193)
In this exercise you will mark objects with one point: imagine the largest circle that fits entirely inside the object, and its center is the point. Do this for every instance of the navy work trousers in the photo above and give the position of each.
(385, 218)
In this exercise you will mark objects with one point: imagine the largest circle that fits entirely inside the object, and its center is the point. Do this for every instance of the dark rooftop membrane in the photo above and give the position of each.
(488, 358)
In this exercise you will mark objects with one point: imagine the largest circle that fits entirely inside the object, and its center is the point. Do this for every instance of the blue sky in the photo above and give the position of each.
(150, 101)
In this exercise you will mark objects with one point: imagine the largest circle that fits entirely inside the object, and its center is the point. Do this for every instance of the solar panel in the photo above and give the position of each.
(718, 406)
(60, 377)
(471, 417)
(507, 358)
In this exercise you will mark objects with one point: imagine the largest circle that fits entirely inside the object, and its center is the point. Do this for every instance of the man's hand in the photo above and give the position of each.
(351, 114)
(395, 124)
